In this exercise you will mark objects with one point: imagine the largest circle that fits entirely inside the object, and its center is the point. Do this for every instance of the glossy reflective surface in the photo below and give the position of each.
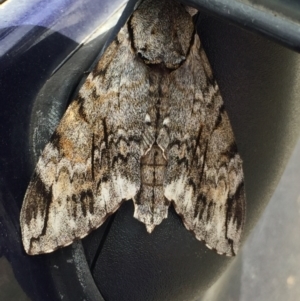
(288, 8)
(278, 20)
(19, 21)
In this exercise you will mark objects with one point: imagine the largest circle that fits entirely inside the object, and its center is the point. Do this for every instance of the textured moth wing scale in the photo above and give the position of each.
(149, 125)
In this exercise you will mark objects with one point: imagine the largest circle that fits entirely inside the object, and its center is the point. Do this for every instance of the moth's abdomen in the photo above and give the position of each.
(151, 207)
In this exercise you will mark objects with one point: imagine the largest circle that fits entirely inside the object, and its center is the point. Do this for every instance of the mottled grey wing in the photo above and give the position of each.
(204, 176)
(92, 162)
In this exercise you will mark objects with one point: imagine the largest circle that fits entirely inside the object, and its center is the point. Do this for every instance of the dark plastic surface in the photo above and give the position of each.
(279, 20)
(256, 78)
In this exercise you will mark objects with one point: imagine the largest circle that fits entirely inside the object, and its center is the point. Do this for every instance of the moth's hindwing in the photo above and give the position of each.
(149, 125)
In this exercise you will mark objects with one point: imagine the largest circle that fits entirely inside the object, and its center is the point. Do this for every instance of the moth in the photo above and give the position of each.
(148, 125)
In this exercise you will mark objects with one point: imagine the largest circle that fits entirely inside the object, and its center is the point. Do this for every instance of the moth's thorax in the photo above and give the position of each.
(158, 97)
(160, 42)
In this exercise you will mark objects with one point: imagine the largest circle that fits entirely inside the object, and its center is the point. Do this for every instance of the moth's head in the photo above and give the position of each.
(162, 32)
